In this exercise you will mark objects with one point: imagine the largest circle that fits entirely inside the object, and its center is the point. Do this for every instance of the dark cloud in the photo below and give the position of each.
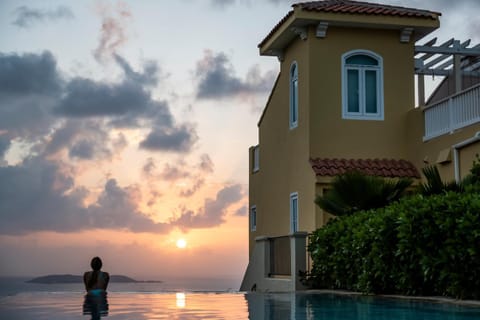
(179, 139)
(28, 74)
(88, 98)
(149, 76)
(29, 85)
(82, 149)
(37, 196)
(84, 140)
(217, 79)
(213, 212)
(26, 17)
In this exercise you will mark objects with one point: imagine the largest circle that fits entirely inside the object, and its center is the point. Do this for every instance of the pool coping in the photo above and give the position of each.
(433, 299)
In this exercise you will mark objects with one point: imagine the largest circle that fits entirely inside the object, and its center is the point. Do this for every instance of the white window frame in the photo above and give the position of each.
(293, 95)
(256, 158)
(293, 212)
(253, 218)
(362, 114)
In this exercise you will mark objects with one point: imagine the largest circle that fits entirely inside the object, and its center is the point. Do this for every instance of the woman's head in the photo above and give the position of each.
(96, 263)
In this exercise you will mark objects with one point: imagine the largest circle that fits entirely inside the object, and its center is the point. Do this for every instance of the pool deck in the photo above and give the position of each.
(471, 303)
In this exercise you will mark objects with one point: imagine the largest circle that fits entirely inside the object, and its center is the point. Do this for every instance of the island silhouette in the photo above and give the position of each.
(70, 278)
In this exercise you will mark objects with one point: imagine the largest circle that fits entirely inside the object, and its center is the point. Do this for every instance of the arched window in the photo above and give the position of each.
(362, 85)
(293, 95)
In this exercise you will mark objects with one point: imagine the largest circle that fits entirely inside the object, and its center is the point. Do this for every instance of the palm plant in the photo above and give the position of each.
(354, 191)
(434, 183)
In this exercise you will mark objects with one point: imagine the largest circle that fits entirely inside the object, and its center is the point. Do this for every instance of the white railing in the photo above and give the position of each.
(452, 113)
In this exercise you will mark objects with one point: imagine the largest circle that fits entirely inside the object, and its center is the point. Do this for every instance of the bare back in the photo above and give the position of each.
(101, 281)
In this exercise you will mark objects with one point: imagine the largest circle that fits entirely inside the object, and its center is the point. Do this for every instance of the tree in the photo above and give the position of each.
(354, 191)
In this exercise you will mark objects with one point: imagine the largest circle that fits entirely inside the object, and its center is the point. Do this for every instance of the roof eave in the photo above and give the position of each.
(282, 35)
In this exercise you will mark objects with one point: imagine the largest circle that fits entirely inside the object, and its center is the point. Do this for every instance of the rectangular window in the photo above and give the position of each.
(256, 158)
(293, 212)
(253, 218)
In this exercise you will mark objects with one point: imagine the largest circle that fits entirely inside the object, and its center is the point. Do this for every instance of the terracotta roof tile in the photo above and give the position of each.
(390, 168)
(358, 7)
(354, 7)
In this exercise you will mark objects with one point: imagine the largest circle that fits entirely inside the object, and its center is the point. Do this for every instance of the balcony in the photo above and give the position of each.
(452, 113)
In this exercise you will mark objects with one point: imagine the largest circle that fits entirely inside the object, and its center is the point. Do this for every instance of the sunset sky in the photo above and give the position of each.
(125, 126)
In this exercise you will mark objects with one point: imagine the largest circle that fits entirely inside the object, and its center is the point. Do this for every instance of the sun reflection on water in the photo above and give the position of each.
(181, 302)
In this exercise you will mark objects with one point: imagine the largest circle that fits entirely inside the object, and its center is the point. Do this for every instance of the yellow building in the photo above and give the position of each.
(345, 99)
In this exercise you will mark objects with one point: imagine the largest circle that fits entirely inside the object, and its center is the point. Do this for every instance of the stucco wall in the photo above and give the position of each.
(284, 165)
(423, 153)
(334, 137)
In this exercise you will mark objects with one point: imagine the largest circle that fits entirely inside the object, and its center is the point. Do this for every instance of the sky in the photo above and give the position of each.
(125, 126)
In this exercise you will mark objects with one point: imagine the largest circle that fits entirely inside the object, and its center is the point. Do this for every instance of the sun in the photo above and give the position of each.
(181, 243)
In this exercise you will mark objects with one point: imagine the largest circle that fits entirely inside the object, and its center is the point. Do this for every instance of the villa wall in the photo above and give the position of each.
(334, 137)
(284, 162)
(438, 151)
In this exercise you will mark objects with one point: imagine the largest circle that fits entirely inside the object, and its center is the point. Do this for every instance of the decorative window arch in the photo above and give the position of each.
(362, 85)
(293, 117)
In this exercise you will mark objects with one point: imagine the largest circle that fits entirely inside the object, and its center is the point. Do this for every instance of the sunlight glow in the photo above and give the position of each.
(181, 243)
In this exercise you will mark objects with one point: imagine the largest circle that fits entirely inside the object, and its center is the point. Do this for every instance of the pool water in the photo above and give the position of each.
(197, 305)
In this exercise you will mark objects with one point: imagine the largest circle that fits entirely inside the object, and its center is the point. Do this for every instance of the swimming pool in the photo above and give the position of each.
(198, 305)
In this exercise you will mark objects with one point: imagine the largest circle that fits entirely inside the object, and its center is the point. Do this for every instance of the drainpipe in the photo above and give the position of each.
(456, 154)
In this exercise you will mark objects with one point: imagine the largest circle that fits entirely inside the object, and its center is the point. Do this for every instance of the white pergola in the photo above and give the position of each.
(451, 58)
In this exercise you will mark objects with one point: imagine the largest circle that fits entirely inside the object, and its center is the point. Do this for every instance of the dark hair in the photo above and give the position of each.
(96, 264)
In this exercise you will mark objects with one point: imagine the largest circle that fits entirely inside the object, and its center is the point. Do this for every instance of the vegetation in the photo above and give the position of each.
(355, 191)
(419, 245)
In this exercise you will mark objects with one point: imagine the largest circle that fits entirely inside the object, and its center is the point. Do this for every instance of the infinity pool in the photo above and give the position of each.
(180, 305)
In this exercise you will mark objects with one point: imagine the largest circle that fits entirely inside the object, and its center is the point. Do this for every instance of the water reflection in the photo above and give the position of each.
(95, 304)
(308, 306)
(181, 303)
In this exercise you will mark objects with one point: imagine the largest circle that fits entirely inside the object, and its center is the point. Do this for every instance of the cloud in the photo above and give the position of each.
(4, 146)
(28, 74)
(213, 212)
(173, 173)
(128, 104)
(194, 188)
(29, 86)
(217, 79)
(37, 196)
(84, 140)
(88, 98)
(206, 164)
(113, 31)
(26, 17)
(177, 139)
(242, 211)
(222, 3)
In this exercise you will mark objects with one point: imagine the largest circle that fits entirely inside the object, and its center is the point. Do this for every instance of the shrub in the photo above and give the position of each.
(420, 245)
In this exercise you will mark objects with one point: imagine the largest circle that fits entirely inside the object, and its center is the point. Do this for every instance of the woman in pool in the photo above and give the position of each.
(96, 281)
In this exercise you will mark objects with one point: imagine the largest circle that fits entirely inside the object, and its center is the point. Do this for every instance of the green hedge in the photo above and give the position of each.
(417, 246)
